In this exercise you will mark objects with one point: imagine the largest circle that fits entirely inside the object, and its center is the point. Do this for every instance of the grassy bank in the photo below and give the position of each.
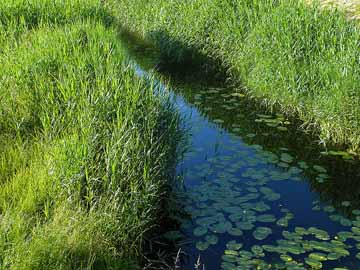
(86, 148)
(298, 57)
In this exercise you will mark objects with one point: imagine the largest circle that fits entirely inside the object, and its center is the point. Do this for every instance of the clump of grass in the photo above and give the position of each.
(87, 149)
(290, 54)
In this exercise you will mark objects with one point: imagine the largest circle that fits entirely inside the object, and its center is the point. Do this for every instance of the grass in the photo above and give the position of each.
(293, 56)
(87, 149)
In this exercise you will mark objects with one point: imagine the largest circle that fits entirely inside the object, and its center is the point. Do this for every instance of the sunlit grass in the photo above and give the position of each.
(293, 56)
(87, 149)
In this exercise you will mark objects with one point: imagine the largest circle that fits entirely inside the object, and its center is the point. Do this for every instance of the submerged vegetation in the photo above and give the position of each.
(87, 149)
(292, 55)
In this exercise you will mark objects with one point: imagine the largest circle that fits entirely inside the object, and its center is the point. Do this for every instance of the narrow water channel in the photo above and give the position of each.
(258, 193)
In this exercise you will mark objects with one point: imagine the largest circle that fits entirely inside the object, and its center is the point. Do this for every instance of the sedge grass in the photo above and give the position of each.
(291, 55)
(87, 149)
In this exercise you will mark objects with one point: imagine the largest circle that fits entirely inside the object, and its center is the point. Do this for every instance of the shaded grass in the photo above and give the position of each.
(87, 149)
(297, 57)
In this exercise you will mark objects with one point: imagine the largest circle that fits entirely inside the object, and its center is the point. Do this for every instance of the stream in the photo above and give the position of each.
(257, 191)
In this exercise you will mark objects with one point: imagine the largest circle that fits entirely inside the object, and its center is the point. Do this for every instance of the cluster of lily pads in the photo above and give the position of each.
(230, 101)
(233, 199)
(235, 210)
(278, 121)
(300, 249)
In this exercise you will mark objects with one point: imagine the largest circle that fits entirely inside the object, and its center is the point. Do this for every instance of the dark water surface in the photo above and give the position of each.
(258, 193)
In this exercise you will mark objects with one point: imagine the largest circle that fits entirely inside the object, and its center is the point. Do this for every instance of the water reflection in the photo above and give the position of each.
(257, 190)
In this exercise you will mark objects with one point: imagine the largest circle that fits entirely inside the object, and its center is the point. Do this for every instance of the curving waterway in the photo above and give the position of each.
(257, 193)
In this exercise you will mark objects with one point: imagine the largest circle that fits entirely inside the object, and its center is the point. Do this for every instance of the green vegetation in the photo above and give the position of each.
(293, 56)
(87, 149)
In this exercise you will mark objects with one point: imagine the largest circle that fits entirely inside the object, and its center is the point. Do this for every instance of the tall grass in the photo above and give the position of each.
(87, 149)
(289, 54)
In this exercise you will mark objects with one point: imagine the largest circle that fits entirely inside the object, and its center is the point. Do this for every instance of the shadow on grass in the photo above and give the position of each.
(188, 69)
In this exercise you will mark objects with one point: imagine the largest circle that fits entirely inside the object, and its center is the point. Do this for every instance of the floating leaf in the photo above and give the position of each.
(318, 256)
(235, 231)
(229, 258)
(218, 121)
(329, 209)
(319, 169)
(285, 157)
(313, 263)
(212, 239)
(284, 222)
(233, 245)
(200, 231)
(231, 252)
(346, 203)
(246, 226)
(319, 234)
(266, 218)
(261, 233)
(258, 251)
(202, 245)
(286, 258)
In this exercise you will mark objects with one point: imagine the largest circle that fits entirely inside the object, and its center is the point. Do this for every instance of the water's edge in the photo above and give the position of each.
(258, 194)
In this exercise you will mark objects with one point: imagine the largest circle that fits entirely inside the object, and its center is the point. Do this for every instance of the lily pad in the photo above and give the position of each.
(313, 263)
(212, 239)
(283, 222)
(233, 245)
(329, 209)
(285, 157)
(261, 233)
(346, 203)
(266, 218)
(319, 169)
(202, 245)
(318, 256)
(246, 226)
(235, 231)
(200, 231)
